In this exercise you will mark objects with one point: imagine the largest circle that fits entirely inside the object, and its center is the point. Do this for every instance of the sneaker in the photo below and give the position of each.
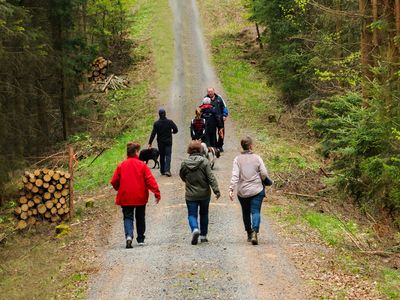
(141, 244)
(254, 238)
(128, 242)
(195, 236)
(168, 173)
(203, 239)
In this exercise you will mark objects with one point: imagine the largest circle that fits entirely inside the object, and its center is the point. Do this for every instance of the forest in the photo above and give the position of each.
(46, 51)
(340, 58)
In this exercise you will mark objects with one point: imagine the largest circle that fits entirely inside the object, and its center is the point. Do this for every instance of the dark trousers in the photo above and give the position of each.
(251, 208)
(211, 136)
(193, 213)
(165, 157)
(140, 212)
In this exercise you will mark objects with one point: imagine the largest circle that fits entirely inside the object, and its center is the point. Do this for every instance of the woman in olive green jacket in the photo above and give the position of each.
(196, 173)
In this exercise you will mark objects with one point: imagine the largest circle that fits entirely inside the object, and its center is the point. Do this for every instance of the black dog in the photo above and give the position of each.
(150, 154)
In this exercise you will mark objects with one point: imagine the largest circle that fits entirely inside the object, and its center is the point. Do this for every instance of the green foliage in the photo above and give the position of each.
(364, 149)
(307, 51)
(331, 229)
(288, 58)
(390, 283)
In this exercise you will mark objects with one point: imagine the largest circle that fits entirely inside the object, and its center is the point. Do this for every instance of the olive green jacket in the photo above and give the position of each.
(196, 173)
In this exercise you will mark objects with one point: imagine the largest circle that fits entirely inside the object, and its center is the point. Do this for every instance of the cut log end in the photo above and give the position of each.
(21, 225)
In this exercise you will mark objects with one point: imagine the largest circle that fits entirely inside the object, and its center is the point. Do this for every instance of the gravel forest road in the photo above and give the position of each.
(168, 266)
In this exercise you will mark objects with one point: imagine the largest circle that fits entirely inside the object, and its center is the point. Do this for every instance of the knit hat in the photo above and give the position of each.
(206, 100)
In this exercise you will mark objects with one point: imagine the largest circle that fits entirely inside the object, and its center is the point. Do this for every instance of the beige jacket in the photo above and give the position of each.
(247, 174)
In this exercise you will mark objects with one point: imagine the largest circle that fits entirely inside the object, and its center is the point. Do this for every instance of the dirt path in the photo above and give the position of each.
(169, 267)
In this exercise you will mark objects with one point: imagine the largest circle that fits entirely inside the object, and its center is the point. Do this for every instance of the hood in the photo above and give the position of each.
(193, 162)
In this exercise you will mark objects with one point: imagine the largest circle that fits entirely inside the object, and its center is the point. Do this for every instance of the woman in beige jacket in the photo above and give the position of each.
(248, 175)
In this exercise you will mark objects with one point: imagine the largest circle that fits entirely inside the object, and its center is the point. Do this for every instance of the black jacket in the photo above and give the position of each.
(163, 128)
(220, 106)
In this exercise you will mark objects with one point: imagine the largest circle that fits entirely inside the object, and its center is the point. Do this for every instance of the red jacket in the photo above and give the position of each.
(133, 180)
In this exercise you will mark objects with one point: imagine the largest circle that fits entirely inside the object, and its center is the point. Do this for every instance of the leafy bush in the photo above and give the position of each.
(363, 147)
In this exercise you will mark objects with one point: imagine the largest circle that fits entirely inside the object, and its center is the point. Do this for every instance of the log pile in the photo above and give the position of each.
(45, 196)
(115, 83)
(99, 69)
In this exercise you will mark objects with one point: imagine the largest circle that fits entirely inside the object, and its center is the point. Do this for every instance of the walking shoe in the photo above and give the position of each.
(195, 236)
(168, 173)
(203, 239)
(249, 232)
(141, 243)
(254, 239)
(128, 242)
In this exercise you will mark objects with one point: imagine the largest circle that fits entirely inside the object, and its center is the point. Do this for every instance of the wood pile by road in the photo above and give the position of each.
(99, 69)
(45, 196)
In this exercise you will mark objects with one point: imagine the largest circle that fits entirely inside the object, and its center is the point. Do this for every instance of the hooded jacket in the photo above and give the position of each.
(196, 173)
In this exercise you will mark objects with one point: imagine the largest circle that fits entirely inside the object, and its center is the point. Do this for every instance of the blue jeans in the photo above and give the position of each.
(251, 211)
(165, 157)
(140, 212)
(193, 212)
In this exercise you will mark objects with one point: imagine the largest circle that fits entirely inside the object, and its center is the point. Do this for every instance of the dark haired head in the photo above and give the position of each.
(246, 143)
(162, 113)
(132, 148)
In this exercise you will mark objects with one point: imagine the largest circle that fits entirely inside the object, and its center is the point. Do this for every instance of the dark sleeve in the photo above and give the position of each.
(174, 127)
(153, 134)
(192, 133)
(218, 117)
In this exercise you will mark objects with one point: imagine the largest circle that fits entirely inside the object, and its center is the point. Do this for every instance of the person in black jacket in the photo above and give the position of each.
(222, 112)
(164, 128)
(213, 121)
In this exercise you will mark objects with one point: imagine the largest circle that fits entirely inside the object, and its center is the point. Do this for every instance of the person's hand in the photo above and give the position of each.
(217, 195)
(149, 146)
(231, 195)
(224, 118)
(157, 200)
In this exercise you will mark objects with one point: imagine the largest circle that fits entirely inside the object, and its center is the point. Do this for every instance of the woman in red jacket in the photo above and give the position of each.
(133, 180)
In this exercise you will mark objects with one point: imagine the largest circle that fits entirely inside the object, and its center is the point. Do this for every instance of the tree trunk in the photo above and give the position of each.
(375, 38)
(397, 16)
(365, 49)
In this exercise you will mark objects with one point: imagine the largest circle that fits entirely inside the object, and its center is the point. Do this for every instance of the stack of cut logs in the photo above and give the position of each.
(99, 69)
(45, 196)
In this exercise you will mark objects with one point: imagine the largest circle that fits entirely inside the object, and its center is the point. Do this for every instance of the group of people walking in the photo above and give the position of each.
(209, 122)
(133, 179)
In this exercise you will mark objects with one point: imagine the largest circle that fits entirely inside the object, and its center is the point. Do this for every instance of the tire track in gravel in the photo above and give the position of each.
(169, 267)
